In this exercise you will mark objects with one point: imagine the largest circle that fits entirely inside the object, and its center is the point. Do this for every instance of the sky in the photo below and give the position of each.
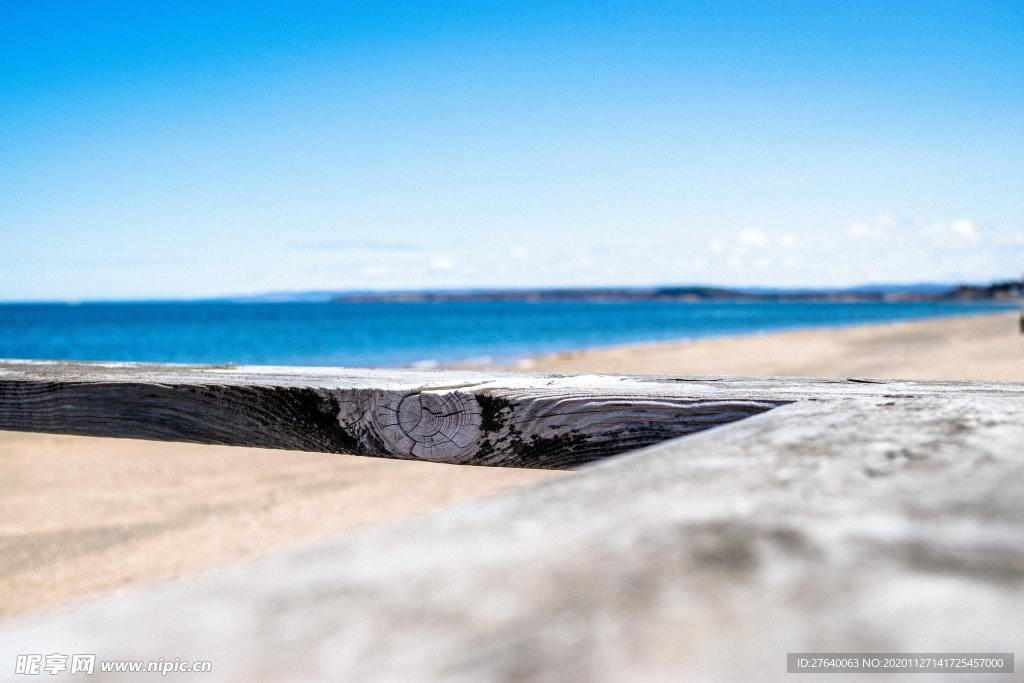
(191, 149)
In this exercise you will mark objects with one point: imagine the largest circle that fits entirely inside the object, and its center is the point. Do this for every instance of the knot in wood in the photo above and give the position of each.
(431, 426)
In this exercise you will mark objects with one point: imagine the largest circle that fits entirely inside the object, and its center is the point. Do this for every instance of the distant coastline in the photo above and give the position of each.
(1004, 291)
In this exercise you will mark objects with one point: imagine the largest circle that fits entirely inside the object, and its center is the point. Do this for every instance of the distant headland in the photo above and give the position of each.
(1003, 291)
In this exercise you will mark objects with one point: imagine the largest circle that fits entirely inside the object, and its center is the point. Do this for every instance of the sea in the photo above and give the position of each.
(417, 334)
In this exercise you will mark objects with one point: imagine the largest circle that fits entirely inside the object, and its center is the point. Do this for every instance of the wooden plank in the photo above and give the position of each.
(862, 522)
(454, 417)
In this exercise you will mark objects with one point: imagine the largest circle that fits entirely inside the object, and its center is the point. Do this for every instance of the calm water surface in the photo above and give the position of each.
(389, 334)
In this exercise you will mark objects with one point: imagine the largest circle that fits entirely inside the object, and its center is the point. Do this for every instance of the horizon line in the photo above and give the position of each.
(261, 296)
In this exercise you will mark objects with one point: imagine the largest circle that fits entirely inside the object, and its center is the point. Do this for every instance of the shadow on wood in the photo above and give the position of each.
(456, 417)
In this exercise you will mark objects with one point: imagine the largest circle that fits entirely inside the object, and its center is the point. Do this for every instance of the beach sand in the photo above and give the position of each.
(79, 515)
(986, 346)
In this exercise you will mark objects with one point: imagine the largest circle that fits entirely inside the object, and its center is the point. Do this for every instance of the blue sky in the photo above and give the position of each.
(191, 149)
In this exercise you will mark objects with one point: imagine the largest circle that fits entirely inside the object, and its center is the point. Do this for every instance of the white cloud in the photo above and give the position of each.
(441, 263)
(870, 230)
(882, 226)
(937, 233)
(949, 249)
(752, 237)
(964, 228)
(953, 233)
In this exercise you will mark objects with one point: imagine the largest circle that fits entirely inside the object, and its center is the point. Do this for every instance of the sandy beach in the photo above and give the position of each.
(81, 515)
(986, 346)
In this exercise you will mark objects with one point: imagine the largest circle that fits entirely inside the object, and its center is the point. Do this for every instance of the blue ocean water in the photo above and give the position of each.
(392, 334)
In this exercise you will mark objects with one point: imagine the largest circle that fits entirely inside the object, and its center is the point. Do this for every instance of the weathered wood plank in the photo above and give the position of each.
(860, 523)
(453, 418)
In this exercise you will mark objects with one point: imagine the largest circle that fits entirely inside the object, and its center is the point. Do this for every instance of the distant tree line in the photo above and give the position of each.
(1007, 290)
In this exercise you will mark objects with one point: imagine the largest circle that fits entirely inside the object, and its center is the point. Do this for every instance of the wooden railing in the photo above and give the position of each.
(451, 417)
(850, 515)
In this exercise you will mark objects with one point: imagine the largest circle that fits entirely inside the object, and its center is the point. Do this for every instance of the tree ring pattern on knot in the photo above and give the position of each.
(430, 426)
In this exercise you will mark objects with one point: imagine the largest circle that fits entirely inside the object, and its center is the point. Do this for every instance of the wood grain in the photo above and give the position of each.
(464, 418)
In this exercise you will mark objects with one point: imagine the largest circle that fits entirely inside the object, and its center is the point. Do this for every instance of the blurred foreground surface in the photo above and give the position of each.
(863, 517)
